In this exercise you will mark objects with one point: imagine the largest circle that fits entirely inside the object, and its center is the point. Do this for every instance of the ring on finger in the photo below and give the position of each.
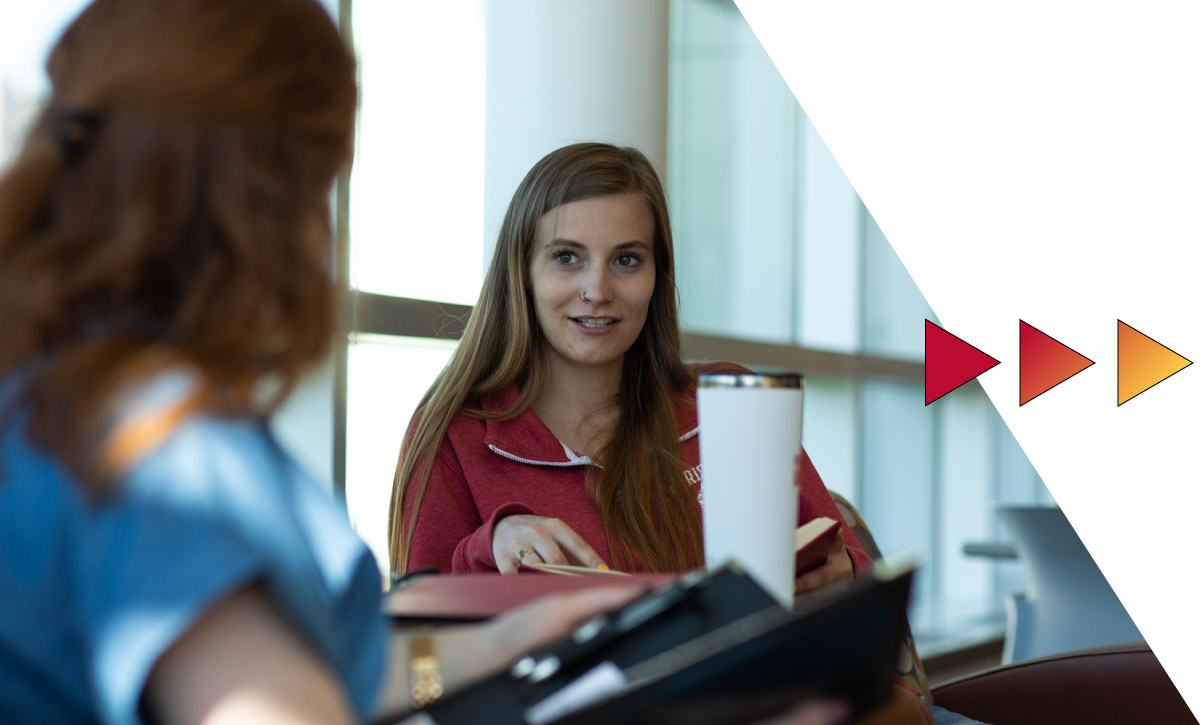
(523, 553)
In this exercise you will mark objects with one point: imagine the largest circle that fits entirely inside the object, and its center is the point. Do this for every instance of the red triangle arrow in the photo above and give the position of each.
(1045, 362)
(950, 362)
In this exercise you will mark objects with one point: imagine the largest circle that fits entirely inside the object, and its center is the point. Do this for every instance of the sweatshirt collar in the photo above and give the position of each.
(526, 439)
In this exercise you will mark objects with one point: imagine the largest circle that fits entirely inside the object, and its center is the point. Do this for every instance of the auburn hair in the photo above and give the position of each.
(649, 510)
(170, 208)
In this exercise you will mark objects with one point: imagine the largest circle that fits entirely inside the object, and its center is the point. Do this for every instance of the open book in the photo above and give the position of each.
(814, 542)
(567, 569)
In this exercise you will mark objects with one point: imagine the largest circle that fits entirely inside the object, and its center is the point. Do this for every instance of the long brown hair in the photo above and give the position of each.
(649, 511)
(170, 208)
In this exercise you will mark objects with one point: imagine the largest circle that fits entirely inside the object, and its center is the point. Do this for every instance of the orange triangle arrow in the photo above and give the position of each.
(1142, 362)
(1045, 362)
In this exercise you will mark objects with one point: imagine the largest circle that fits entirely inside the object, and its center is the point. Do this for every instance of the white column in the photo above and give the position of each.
(562, 71)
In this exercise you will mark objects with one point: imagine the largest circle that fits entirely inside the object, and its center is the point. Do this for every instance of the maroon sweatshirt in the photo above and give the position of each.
(486, 470)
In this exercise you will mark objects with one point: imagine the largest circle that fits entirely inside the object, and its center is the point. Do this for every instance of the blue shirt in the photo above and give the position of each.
(93, 591)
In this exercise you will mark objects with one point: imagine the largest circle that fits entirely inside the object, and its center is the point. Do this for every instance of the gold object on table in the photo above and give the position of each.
(424, 670)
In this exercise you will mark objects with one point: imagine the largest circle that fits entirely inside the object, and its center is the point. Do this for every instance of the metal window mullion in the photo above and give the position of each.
(341, 261)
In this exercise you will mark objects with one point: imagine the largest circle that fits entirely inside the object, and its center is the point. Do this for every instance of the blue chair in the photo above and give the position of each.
(1068, 604)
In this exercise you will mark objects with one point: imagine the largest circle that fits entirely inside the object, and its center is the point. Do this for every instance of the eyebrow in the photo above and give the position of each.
(572, 244)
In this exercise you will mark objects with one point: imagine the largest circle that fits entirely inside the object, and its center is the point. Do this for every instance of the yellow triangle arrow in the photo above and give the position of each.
(1142, 362)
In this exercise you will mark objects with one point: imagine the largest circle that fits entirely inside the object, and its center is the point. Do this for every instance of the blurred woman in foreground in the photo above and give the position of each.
(164, 281)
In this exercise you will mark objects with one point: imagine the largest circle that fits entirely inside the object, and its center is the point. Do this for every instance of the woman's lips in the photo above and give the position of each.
(594, 325)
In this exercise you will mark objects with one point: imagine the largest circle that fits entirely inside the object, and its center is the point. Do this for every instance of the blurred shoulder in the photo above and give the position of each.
(165, 443)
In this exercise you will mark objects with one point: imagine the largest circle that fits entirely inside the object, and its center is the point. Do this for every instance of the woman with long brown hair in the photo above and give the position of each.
(164, 248)
(563, 429)
(164, 281)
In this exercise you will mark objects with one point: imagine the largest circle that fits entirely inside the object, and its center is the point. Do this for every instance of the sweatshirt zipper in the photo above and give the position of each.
(553, 464)
(584, 461)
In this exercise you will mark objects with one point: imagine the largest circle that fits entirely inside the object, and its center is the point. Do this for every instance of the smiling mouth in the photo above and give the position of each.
(594, 322)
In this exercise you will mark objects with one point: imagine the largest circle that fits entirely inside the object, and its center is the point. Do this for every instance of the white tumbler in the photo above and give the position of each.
(750, 458)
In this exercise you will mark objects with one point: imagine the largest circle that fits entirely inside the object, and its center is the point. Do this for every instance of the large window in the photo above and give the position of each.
(416, 211)
(780, 266)
(774, 246)
(416, 227)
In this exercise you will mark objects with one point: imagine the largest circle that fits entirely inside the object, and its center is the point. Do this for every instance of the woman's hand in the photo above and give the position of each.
(835, 574)
(551, 618)
(530, 539)
(469, 653)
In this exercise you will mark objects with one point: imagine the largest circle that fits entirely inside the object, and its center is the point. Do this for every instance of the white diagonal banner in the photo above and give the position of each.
(1041, 162)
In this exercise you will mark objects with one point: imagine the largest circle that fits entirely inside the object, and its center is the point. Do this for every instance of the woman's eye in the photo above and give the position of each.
(628, 260)
(565, 257)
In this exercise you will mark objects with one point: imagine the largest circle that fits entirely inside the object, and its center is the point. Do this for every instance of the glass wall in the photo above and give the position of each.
(778, 261)
(416, 212)
(387, 376)
(416, 223)
(773, 245)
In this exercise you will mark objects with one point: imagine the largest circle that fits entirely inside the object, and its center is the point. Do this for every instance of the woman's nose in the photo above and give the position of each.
(597, 287)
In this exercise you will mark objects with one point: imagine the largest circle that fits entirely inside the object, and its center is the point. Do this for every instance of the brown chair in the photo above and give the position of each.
(909, 669)
(905, 707)
(1119, 684)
